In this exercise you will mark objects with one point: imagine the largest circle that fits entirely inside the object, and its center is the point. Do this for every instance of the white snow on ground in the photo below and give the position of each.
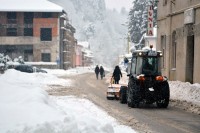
(185, 91)
(74, 71)
(26, 107)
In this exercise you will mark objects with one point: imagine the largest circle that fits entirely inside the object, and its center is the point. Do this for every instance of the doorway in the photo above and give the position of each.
(190, 59)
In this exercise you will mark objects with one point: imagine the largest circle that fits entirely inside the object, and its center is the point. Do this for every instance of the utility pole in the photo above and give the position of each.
(128, 43)
(128, 38)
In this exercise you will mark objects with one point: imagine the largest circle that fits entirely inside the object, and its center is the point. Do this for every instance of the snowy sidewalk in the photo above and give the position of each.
(26, 107)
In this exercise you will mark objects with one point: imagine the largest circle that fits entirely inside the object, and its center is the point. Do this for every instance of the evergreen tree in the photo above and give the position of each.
(138, 18)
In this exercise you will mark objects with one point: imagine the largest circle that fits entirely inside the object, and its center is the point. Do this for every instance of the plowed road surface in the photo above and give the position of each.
(147, 119)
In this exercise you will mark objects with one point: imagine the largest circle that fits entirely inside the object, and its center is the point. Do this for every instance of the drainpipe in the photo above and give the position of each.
(170, 40)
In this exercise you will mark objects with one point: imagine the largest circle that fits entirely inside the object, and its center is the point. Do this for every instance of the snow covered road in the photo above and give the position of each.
(145, 119)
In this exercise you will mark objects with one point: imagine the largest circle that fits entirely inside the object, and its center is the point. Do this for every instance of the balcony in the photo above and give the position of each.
(13, 40)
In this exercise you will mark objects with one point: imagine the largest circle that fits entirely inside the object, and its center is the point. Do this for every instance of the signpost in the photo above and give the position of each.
(150, 21)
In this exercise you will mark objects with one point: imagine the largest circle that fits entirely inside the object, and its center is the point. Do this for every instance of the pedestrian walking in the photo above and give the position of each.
(97, 71)
(102, 73)
(116, 74)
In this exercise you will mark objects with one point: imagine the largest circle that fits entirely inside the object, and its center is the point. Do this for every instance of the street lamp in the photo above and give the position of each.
(128, 41)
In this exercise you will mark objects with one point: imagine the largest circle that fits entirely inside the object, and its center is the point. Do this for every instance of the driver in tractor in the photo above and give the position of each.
(147, 67)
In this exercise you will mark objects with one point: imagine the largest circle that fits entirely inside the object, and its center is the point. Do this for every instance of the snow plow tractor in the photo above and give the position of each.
(146, 84)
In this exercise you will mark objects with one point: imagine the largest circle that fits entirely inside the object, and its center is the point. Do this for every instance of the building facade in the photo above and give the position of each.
(68, 45)
(79, 61)
(86, 53)
(34, 30)
(179, 39)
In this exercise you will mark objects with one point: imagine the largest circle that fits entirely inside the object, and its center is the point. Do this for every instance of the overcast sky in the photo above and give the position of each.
(118, 4)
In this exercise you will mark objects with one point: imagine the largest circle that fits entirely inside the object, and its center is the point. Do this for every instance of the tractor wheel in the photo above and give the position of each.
(164, 94)
(133, 95)
(122, 94)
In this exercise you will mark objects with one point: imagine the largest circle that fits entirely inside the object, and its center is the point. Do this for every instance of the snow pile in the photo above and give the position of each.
(73, 71)
(38, 79)
(26, 107)
(89, 117)
(184, 91)
(23, 103)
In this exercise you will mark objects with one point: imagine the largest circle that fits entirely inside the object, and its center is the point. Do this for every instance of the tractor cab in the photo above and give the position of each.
(146, 83)
(146, 62)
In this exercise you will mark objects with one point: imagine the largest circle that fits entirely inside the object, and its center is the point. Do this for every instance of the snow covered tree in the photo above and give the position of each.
(100, 27)
(20, 60)
(138, 18)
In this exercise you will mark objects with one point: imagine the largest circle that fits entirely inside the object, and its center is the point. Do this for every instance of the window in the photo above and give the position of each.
(133, 65)
(139, 65)
(46, 15)
(174, 49)
(28, 17)
(11, 32)
(151, 65)
(11, 17)
(45, 34)
(164, 2)
(28, 31)
(174, 55)
(46, 57)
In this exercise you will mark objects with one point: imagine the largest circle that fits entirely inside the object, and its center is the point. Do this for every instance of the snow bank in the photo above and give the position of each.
(23, 103)
(73, 71)
(16, 77)
(185, 91)
(26, 108)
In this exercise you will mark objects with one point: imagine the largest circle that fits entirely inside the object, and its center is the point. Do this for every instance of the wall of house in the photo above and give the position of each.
(163, 7)
(196, 75)
(39, 46)
(180, 5)
(164, 30)
(167, 25)
(2, 21)
(46, 46)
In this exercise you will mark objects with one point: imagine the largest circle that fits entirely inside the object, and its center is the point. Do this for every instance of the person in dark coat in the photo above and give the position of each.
(97, 71)
(101, 70)
(116, 74)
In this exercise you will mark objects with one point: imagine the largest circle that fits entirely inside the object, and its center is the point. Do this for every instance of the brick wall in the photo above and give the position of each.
(39, 23)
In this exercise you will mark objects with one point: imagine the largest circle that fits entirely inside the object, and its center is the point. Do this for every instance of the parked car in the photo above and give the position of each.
(40, 70)
(29, 69)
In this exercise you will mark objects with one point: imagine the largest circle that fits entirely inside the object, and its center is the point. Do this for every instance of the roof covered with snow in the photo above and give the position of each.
(84, 44)
(88, 53)
(29, 6)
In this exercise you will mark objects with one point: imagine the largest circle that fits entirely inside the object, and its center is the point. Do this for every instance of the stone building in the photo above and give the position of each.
(68, 46)
(179, 39)
(34, 30)
(87, 54)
